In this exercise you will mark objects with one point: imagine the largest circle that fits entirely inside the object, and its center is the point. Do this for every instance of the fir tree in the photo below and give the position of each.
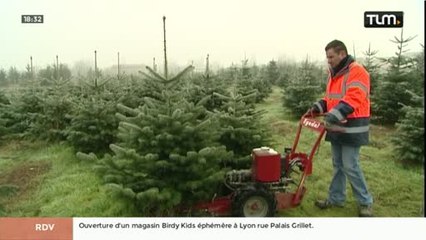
(52, 74)
(400, 62)
(286, 70)
(372, 67)
(241, 129)
(391, 96)
(245, 69)
(272, 73)
(19, 113)
(131, 90)
(392, 93)
(50, 122)
(409, 137)
(251, 81)
(198, 87)
(93, 125)
(167, 154)
(300, 95)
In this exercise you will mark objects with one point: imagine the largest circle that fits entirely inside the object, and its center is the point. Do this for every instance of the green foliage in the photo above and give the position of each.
(241, 129)
(76, 184)
(299, 98)
(50, 122)
(392, 94)
(153, 84)
(284, 79)
(402, 77)
(245, 70)
(93, 125)
(167, 154)
(419, 60)
(28, 75)
(272, 73)
(13, 75)
(287, 70)
(248, 80)
(260, 87)
(3, 78)
(54, 73)
(177, 136)
(230, 73)
(37, 112)
(198, 87)
(4, 101)
(17, 116)
(400, 62)
(409, 137)
(3, 98)
(252, 80)
(373, 67)
(131, 91)
(309, 74)
(302, 93)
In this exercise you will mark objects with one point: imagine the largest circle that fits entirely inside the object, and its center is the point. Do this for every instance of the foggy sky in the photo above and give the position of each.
(227, 30)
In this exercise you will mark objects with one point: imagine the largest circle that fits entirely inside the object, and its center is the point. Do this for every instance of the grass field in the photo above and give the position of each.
(52, 182)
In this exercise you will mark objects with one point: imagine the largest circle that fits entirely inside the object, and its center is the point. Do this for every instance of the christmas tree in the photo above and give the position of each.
(167, 154)
(241, 128)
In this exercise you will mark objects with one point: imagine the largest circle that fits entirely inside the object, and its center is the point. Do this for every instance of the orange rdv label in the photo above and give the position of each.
(36, 228)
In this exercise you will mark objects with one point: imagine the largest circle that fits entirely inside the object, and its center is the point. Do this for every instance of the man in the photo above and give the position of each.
(347, 106)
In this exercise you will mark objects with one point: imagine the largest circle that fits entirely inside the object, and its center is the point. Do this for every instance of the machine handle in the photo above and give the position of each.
(309, 120)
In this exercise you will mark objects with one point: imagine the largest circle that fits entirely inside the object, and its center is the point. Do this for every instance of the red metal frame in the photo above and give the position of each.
(315, 125)
(222, 206)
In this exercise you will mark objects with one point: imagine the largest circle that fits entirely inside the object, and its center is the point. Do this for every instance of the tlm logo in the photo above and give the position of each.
(312, 124)
(383, 19)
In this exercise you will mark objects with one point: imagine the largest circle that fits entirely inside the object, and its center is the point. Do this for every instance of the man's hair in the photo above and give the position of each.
(337, 45)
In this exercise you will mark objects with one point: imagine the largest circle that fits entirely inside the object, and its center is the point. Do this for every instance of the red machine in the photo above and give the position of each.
(268, 186)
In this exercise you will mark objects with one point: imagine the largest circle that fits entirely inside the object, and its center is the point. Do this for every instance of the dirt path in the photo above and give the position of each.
(23, 178)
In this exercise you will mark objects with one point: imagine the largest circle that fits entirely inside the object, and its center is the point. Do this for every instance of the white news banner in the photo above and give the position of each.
(248, 228)
(211, 228)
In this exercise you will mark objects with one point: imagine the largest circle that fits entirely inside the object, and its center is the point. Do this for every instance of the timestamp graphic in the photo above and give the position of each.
(32, 18)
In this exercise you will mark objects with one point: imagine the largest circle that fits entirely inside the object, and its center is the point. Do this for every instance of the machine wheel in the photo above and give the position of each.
(254, 203)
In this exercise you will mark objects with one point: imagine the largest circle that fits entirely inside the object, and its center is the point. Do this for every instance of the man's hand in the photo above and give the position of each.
(330, 119)
(311, 112)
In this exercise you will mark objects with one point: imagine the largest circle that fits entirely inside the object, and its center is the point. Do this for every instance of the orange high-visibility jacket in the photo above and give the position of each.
(352, 86)
(348, 98)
